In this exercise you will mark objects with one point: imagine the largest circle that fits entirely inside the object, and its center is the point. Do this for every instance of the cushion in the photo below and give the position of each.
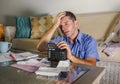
(114, 27)
(1, 32)
(9, 33)
(23, 27)
(25, 44)
(40, 25)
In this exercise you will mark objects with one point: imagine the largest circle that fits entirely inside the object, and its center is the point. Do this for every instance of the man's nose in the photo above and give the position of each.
(64, 27)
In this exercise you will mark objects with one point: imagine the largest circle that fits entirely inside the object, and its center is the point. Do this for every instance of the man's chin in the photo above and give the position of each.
(68, 36)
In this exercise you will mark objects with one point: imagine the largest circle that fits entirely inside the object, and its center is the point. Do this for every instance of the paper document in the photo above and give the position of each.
(28, 68)
(5, 57)
(65, 63)
(50, 71)
(24, 55)
(17, 56)
(30, 65)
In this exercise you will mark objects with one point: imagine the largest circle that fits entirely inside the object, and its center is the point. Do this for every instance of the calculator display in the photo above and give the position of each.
(55, 54)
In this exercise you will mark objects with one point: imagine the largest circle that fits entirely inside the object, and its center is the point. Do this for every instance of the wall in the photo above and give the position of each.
(11, 8)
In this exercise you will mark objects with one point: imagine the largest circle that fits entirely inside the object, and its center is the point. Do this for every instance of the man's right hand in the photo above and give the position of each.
(63, 45)
(58, 18)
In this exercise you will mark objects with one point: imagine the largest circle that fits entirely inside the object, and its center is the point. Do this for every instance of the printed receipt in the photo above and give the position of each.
(65, 63)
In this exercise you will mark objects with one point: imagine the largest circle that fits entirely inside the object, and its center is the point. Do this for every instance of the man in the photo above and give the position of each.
(81, 48)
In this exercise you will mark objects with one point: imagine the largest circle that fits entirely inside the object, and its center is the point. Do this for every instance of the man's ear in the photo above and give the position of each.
(76, 23)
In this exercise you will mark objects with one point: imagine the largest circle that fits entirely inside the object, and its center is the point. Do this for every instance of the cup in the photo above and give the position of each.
(5, 46)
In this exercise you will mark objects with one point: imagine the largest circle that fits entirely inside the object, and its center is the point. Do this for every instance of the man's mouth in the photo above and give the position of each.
(66, 32)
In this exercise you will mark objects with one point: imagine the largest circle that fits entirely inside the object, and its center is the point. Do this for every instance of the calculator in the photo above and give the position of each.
(55, 54)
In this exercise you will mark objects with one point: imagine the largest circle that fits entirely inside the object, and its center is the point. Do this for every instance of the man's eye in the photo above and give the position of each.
(66, 24)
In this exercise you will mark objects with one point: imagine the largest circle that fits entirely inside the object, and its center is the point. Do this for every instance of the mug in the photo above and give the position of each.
(5, 46)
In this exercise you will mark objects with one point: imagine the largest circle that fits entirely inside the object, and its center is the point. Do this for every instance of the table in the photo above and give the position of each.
(10, 75)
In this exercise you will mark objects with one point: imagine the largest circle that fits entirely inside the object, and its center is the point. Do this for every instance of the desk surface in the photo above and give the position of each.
(10, 75)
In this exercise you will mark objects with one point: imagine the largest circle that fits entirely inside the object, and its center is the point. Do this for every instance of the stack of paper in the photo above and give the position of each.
(30, 65)
(28, 68)
(64, 65)
(50, 71)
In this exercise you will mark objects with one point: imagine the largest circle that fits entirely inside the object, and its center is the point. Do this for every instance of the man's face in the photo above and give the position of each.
(68, 26)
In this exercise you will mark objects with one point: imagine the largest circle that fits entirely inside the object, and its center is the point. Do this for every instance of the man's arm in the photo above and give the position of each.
(42, 45)
(74, 59)
(87, 61)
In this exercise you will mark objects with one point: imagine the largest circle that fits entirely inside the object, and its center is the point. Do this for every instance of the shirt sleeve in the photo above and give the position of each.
(91, 49)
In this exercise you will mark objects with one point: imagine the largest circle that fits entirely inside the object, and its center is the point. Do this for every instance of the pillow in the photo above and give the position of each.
(23, 27)
(113, 26)
(1, 32)
(9, 32)
(40, 25)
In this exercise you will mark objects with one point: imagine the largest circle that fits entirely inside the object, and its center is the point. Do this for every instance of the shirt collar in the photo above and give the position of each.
(79, 36)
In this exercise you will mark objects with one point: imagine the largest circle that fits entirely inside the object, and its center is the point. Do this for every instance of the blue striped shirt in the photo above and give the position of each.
(85, 46)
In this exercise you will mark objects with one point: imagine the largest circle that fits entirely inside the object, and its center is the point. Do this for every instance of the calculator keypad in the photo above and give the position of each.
(57, 55)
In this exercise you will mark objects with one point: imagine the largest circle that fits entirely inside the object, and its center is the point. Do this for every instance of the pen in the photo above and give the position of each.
(12, 57)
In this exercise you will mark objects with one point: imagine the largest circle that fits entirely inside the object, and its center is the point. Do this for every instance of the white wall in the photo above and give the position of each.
(11, 8)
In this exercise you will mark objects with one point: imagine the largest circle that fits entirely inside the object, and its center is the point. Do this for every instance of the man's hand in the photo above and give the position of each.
(58, 18)
(74, 59)
(64, 45)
